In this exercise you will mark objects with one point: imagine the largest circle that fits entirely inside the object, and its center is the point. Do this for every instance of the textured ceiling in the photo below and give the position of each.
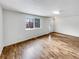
(43, 7)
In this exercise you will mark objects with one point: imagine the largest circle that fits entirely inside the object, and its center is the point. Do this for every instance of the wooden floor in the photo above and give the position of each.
(53, 46)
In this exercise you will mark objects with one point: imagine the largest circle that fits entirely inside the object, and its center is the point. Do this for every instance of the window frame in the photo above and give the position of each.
(34, 25)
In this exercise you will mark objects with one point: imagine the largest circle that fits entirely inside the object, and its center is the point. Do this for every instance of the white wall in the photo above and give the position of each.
(14, 27)
(68, 25)
(1, 30)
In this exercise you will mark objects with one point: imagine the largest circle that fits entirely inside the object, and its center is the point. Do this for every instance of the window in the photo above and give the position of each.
(37, 23)
(29, 23)
(32, 23)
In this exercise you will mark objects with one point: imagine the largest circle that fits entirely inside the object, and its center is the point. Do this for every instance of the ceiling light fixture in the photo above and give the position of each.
(56, 12)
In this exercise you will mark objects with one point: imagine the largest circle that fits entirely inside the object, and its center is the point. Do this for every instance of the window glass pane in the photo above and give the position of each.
(37, 23)
(29, 23)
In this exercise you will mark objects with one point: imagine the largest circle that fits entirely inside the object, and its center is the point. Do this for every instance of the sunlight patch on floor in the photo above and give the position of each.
(49, 38)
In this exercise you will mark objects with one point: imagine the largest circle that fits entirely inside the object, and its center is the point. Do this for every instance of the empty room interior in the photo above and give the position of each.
(39, 29)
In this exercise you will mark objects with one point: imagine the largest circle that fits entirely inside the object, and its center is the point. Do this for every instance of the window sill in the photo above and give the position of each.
(32, 28)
